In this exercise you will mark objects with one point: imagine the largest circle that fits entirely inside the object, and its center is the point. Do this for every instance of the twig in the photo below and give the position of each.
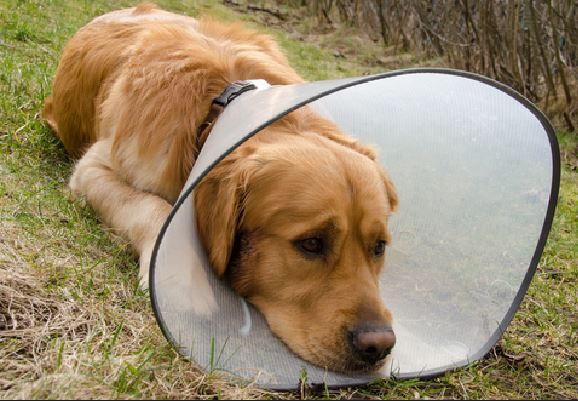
(7, 45)
(437, 35)
(556, 38)
(275, 13)
(539, 45)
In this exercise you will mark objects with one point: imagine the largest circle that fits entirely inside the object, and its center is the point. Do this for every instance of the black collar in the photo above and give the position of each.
(219, 103)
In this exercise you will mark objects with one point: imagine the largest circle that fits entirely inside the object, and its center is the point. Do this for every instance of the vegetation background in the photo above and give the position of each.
(73, 322)
(531, 46)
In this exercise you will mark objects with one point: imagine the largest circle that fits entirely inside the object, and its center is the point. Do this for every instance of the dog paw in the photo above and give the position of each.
(92, 166)
(80, 177)
(144, 266)
(74, 184)
(143, 281)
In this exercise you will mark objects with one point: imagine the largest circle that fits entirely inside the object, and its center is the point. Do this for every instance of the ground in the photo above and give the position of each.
(73, 321)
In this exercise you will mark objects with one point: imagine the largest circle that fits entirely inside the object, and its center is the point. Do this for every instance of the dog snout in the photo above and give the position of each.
(372, 344)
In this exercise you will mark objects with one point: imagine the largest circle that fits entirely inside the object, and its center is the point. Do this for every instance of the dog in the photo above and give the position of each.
(295, 219)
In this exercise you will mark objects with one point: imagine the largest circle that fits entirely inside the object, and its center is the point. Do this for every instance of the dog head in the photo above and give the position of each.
(296, 220)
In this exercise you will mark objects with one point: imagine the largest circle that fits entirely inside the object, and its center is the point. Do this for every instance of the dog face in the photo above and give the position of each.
(298, 225)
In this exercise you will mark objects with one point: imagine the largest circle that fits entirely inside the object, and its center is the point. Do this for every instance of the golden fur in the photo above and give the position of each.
(129, 93)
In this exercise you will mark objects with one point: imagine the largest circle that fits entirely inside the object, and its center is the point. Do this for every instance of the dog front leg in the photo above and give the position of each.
(135, 214)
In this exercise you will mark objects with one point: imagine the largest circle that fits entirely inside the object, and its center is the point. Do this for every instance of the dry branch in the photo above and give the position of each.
(530, 45)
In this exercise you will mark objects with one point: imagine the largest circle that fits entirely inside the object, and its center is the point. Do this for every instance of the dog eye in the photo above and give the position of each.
(379, 248)
(311, 246)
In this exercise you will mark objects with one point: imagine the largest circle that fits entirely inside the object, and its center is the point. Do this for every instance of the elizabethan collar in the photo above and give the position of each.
(477, 171)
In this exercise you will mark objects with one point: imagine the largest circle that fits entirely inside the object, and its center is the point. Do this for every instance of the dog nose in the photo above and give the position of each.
(373, 345)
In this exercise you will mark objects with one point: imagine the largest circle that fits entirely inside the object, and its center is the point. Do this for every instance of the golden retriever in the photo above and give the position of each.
(295, 219)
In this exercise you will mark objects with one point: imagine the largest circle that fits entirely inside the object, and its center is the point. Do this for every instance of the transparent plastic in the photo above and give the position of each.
(477, 173)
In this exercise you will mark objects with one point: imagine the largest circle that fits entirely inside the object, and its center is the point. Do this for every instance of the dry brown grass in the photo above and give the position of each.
(57, 342)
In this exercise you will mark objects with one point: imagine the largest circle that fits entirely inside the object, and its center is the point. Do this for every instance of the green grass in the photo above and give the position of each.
(77, 325)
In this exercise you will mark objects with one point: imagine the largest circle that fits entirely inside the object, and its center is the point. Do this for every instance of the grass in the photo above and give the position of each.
(73, 322)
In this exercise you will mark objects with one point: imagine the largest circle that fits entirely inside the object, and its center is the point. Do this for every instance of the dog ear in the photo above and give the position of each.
(390, 190)
(218, 205)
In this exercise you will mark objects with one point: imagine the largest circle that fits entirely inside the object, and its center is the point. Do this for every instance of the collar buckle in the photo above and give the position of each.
(219, 103)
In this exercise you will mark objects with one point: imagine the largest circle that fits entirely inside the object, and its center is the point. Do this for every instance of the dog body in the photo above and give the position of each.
(295, 218)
